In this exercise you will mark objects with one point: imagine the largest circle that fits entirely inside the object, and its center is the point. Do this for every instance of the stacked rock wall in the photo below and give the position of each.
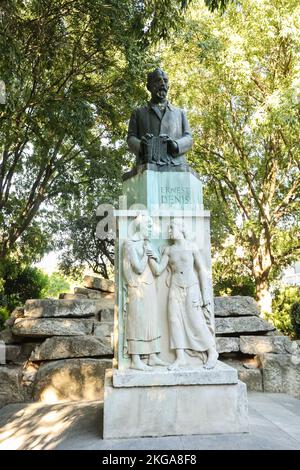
(265, 359)
(58, 349)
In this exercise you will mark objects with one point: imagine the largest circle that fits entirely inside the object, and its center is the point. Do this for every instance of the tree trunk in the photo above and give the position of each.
(262, 263)
(264, 298)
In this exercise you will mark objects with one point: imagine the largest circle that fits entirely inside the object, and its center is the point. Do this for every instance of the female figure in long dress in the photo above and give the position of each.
(189, 330)
(142, 323)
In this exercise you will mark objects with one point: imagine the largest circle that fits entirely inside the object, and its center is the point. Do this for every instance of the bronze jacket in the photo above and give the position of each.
(174, 123)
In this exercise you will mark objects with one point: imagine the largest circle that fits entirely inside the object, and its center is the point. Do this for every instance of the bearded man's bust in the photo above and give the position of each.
(159, 133)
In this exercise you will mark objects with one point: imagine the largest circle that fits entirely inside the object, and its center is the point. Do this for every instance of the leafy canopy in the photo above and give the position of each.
(72, 72)
(238, 75)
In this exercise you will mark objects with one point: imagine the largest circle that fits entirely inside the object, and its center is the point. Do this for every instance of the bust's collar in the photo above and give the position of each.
(154, 105)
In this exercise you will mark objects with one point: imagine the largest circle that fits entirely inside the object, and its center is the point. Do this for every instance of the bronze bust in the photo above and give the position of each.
(158, 132)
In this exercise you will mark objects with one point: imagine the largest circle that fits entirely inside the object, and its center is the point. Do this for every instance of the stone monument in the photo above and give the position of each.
(166, 378)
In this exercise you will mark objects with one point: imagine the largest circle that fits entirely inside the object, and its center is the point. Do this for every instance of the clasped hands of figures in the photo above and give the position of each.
(150, 253)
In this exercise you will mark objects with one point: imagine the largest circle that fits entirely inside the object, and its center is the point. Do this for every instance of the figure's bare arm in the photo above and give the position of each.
(201, 274)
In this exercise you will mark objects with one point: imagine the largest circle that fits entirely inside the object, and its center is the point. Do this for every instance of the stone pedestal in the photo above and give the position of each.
(163, 195)
(166, 403)
(152, 186)
(159, 402)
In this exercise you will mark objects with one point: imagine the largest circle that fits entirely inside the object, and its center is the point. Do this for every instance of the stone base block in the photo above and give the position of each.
(221, 374)
(174, 410)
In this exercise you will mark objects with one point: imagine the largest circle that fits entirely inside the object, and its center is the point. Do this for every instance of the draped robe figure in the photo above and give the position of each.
(142, 330)
(188, 310)
(142, 324)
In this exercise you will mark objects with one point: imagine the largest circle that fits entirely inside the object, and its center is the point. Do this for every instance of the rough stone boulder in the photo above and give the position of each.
(104, 331)
(19, 353)
(16, 313)
(249, 373)
(10, 389)
(68, 347)
(240, 325)
(7, 336)
(71, 380)
(36, 308)
(99, 283)
(107, 314)
(281, 373)
(267, 344)
(68, 296)
(44, 327)
(94, 294)
(227, 345)
(235, 306)
(13, 352)
(252, 378)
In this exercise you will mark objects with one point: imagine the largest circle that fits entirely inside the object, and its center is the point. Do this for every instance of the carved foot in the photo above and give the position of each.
(141, 366)
(138, 364)
(211, 360)
(156, 361)
(177, 364)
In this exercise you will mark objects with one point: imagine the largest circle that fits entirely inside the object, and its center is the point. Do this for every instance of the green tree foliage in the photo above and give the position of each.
(295, 318)
(76, 238)
(217, 4)
(80, 247)
(19, 283)
(230, 279)
(283, 302)
(56, 284)
(4, 314)
(238, 75)
(72, 72)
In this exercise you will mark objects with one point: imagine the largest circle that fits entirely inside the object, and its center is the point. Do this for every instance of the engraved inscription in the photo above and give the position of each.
(175, 195)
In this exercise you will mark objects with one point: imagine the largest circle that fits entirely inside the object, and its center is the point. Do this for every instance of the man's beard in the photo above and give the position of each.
(162, 93)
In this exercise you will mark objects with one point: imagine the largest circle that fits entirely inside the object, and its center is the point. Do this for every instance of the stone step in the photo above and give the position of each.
(45, 327)
(99, 283)
(93, 294)
(267, 344)
(235, 306)
(227, 345)
(36, 308)
(240, 325)
(68, 347)
(71, 380)
(69, 296)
